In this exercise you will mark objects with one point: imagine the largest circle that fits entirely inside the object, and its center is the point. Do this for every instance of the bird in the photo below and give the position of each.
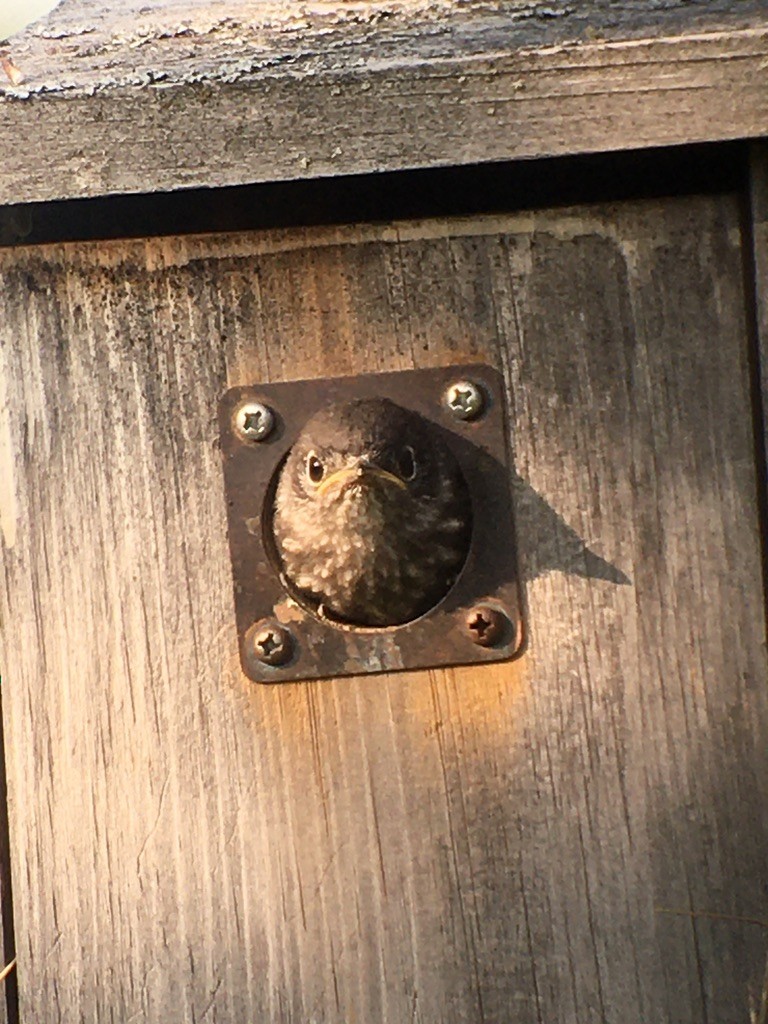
(372, 514)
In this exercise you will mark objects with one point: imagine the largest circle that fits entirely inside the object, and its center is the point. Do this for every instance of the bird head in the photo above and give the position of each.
(368, 494)
(365, 451)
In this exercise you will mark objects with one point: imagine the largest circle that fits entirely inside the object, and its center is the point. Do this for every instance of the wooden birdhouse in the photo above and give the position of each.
(541, 229)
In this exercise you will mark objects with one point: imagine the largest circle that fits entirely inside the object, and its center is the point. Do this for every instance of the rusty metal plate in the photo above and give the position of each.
(478, 620)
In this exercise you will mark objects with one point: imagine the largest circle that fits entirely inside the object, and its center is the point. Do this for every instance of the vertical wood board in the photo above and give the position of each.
(759, 257)
(758, 306)
(579, 836)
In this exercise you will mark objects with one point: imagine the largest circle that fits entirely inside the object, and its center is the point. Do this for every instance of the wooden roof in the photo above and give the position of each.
(165, 94)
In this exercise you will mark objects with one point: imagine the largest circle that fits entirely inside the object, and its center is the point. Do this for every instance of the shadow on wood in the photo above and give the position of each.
(552, 545)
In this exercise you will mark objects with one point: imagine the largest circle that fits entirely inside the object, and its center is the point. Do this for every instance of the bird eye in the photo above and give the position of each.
(315, 468)
(406, 463)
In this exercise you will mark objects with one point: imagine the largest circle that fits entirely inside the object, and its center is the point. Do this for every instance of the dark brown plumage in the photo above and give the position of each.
(372, 514)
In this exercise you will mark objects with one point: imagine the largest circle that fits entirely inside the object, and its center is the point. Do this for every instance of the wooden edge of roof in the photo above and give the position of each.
(376, 106)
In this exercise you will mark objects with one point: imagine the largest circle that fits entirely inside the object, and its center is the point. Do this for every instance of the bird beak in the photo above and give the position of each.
(359, 472)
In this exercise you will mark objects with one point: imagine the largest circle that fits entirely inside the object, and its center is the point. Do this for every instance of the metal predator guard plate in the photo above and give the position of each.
(324, 648)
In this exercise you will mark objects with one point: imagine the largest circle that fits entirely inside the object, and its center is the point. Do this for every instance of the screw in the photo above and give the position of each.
(254, 421)
(270, 643)
(465, 400)
(486, 625)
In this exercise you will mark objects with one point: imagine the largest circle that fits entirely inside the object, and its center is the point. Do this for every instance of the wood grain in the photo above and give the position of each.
(759, 225)
(158, 96)
(576, 837)
(758, 306)
(8, 986)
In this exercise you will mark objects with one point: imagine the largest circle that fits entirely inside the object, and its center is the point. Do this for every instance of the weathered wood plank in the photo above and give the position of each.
(758, 306)
(8, 986)
(576, 837)
(166, 95)
(759, 225)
